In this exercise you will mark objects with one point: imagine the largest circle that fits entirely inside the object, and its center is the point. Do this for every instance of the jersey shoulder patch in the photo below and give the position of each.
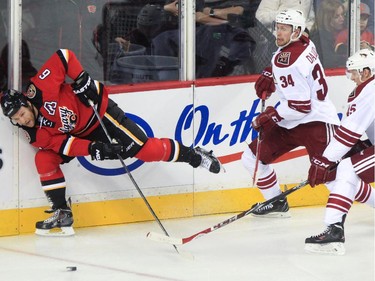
(30, 134)
(288, 55)
(34, 95)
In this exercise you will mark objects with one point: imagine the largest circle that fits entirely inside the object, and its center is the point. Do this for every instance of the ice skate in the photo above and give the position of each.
(209, 161)
(329, 242)
(277, 209)
(59, 224)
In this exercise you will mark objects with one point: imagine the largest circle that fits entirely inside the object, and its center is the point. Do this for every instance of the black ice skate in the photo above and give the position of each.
(209, 161)
(277, 209)
(330, 242)
(59, 224)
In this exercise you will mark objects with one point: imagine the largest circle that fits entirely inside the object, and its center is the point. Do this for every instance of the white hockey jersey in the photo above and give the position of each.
(301, 85)
(360, 119)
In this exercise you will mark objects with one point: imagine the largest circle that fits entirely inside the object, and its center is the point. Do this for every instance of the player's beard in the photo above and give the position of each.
(34, 115)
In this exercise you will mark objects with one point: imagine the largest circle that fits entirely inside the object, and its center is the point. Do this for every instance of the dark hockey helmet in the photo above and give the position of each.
(150, 15)
(12, 101)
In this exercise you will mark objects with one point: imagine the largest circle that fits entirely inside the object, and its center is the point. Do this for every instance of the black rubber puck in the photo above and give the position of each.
(71, 268)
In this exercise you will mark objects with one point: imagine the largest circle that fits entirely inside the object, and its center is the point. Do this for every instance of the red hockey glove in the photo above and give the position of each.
(101, 151)
(265, 83)
(266, 120)
(84, 87)
(321, 171)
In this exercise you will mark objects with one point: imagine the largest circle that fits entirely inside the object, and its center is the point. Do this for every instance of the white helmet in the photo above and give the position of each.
(360, 60)
(295, 18)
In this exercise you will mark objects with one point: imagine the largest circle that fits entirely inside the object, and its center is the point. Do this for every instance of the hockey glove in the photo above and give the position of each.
(265, 83)
(267, 119)
(321, 171)
(102, 151)
(84, 87)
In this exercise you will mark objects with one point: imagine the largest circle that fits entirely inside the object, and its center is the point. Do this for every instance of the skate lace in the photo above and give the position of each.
(323, 233)
(206, 161)
(206, 158)
(54, 217)
(266, 207)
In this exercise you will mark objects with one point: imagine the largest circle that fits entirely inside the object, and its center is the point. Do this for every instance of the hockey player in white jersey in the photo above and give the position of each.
(354, 173)
(305, 117)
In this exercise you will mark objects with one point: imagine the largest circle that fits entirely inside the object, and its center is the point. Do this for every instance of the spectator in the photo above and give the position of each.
(222, 41)
(223, 11)
(367, 37)
(150, 22)
(126, 22)
(344, 2)
(28, 70)
(370, 4)
(329, 22)
(268, 9)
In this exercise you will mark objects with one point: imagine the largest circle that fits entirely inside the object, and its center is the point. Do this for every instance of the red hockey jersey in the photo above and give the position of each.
(63, 121)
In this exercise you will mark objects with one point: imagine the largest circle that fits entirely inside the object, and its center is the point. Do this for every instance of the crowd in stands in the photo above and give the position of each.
(268, 9)
(229, 33)
(233, 37)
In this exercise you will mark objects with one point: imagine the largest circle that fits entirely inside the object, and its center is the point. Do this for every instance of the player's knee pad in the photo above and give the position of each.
(155, 150)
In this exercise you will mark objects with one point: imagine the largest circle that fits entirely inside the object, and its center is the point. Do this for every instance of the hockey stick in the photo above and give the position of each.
(259, 141)
(129, 174)
(180, 241)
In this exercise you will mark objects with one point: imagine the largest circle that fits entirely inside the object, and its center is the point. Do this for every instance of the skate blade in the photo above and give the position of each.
(63, 231)
(222, 169)
(274, 215)
(333, 249)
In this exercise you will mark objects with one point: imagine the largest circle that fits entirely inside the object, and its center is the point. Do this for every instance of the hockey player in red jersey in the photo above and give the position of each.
(354, 173)
(305, 116)
(57, 118)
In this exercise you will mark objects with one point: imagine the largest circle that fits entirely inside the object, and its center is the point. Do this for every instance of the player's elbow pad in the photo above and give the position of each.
(300, 106)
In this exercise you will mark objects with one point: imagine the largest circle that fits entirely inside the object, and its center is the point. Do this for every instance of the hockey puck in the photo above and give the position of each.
(71, 268)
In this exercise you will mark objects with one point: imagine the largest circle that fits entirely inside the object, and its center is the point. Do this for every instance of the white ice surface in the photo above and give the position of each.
(248, 249)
